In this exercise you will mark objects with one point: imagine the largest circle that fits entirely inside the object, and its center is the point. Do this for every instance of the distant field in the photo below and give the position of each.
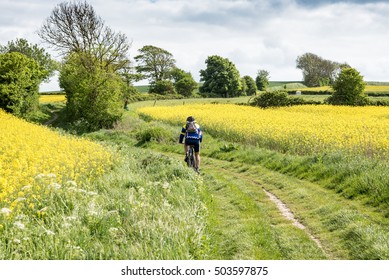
(368, 89)
(52, 98)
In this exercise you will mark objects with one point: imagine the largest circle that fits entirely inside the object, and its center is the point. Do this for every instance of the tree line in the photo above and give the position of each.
(98, 76)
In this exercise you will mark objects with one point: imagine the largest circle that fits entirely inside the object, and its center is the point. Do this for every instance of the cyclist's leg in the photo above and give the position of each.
(186, 149)
(197, 154)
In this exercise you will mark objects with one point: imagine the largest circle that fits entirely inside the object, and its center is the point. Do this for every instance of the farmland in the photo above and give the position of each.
(133, 197)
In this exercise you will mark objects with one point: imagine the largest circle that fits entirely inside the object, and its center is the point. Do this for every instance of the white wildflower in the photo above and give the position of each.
(113, 230)
(16, 241)
(54, 186)
(92, 193)
(5, 211)
(49, 232)
(71, 183)
(39, 176)
(19, 225)
(26, 187)
(51, 175)
(20, 199)
(166, 185)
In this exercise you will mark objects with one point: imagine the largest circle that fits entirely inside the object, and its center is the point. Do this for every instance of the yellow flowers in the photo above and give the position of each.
(52, 98)
(28, 151)
(298, 129)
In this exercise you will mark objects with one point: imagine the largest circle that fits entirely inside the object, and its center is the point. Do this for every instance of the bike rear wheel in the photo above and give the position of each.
(192, 159)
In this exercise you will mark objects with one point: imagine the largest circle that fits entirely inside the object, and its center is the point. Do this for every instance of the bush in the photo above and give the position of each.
(272, 99)
(348, 89)
(163, 87)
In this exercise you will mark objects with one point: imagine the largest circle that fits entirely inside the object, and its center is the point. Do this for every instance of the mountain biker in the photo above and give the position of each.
(193, 137)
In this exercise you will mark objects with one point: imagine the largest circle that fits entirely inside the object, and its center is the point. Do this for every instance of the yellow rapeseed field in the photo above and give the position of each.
(52, 98)
(298, 129)
(28, 151)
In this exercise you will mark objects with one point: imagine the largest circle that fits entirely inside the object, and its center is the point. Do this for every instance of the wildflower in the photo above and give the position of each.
(5, 211)
(16, 241)
(39, 176)
(166, 185)
(19, 225)
(49, 232)
(51, 175)
(92, 193)
(113, 230)
(54, 186)
(26, 187)
(71, 183)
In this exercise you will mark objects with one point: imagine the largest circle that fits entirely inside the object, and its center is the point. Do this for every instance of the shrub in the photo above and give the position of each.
(271, 99)
(163, 87)
(348, 89)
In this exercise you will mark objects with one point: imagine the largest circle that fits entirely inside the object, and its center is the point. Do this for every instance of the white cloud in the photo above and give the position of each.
(253, 34)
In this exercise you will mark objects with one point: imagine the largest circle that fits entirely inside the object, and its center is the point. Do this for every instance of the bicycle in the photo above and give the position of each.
(192, 159)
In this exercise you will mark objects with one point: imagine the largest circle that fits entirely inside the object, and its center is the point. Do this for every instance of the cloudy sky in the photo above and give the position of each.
(253, 34)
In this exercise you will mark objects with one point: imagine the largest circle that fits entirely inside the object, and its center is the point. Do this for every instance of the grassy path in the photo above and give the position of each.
(246, 223)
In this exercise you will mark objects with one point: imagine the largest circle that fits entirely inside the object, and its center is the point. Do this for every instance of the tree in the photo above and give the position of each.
(20, 77)
(95, 65)
(318, 71)
(154, 63)
(348, 89)
(75, 27)
(262, 80)
(35, 52)
(183, 82)
(221, 78)
(93, 93)
(251, 87)
(163, 87)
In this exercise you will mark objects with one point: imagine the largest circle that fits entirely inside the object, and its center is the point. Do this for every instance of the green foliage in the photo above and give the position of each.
(153, 133)
(348, 89)
(316, 70)
(183, 82)
(34, 52)
(163, 87)
(221, 78)
(154, 63)
(262, 80)
(20, 77)
(271, 99)
(251, 87)
(94, 97)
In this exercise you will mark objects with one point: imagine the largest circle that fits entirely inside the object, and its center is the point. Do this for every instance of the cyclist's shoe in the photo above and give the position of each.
(186, 158)
(198, 170)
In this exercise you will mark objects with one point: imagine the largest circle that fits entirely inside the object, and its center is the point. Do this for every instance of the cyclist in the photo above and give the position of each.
(193, 137)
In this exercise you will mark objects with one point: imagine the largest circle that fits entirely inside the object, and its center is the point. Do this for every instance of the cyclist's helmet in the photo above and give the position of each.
(190, 119)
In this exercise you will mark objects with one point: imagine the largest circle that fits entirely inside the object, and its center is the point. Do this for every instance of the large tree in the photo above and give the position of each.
(318, 71)
(95, 63)
(154, 63)
(20, 77)
(75, 27)
(221, 78)
(32, 51)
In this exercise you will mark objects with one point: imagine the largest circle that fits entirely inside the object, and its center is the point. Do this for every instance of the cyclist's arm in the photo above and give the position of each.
(182, 135)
